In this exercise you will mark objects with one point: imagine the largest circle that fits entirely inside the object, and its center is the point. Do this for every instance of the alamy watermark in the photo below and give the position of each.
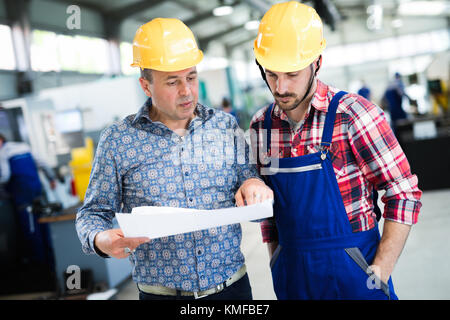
(74, 20)
(73, 281)
(223, 147)
(373, 282)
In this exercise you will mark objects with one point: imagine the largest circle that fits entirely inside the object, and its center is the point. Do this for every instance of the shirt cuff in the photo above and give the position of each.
(269, 230)
(94, 247)
(402, 211)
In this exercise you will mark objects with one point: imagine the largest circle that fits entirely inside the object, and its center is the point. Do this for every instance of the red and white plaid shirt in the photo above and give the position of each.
(364, 153)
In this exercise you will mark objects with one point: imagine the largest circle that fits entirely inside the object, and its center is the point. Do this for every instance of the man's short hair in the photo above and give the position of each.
(147, 74)
(2, 138)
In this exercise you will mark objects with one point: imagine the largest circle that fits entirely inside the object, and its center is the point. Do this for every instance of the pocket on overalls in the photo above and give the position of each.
(373, 281)
(279, 275)
(275, 255)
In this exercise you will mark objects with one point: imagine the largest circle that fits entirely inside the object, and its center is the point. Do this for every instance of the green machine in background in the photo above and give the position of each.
(237, 99)
(248, 99)
(203, 94)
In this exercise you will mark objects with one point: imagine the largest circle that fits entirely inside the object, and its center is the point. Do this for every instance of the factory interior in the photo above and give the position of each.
(65, 76)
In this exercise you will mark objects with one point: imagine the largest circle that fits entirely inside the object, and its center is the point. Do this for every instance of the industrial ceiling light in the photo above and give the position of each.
(424, 8)
(251, 25)
(397, 23)
(223, 9)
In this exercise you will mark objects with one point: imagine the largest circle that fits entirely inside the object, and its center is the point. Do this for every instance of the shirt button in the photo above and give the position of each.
(186, 173)
(190, 199)
(199, 251)
(295, 150)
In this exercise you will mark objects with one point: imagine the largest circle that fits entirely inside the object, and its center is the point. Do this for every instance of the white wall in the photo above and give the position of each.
(216, 85)
(440, 67)
(101, 102)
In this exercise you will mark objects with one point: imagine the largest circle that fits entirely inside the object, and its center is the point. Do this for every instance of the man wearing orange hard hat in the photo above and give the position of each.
(161, 157)
(324, 152)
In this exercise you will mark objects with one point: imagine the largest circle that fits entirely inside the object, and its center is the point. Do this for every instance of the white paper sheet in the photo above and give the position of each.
(157, 222)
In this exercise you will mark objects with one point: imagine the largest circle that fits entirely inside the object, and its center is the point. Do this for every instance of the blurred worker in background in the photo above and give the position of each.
(19, 172)
(323, 152)
(228, 108)
(393, 97)
(364, 91)
(147, 159)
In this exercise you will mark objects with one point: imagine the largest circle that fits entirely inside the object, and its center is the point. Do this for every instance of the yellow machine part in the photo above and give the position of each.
(81, 166)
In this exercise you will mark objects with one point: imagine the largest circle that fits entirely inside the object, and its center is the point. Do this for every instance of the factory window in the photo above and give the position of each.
(371, 51)
(93, 54)
(440, 40)
(333, 56)
(387, 49)
(67, 48)
(354, 54)
(425, 43)
(407, 45)
(7, 60)
(44, 53)
(52, 52)
(126, 58)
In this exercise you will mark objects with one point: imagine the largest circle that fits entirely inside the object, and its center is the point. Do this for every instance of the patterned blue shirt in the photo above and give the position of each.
(139, 162)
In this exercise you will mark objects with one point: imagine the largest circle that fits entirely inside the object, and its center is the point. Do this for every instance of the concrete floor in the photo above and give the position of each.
(422, 271)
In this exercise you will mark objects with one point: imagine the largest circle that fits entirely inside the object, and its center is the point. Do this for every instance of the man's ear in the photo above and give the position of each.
(318, 65)
(145, 85)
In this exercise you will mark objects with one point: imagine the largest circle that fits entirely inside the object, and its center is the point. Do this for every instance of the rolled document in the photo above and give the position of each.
(157, 222)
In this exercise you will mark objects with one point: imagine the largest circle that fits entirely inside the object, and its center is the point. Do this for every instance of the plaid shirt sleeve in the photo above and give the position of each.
(383, 162)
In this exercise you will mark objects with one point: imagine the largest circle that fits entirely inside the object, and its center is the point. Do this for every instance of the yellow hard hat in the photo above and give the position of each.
(166, 45)
(290, 37)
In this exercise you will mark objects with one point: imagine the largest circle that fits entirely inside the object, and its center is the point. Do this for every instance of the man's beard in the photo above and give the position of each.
(290, 106)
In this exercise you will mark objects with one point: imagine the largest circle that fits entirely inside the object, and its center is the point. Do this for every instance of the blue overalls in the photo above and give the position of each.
(319, 257)
(24, 186)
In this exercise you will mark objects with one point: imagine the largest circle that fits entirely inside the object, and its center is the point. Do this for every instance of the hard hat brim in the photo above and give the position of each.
(283, 65)
(173, 67)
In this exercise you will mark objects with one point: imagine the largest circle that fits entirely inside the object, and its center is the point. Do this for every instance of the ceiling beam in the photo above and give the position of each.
(87, 5)
(260, 5)
(190, 6)
(132, 9)
(240, 43)
(204, 42)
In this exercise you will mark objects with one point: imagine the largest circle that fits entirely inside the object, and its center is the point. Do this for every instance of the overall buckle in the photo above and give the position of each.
(324, 152)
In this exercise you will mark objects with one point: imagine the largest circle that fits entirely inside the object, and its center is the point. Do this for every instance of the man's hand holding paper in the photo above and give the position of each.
(113, 243)
(252, 191)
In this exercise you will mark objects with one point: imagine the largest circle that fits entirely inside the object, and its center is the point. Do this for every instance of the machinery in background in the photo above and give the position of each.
(81, 166)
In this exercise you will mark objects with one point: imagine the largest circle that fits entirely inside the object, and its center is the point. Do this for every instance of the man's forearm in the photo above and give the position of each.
(391, 245)
(271, 246)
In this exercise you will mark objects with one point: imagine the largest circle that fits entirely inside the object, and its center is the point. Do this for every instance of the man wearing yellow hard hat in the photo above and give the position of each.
(160, 157)
(333, 149)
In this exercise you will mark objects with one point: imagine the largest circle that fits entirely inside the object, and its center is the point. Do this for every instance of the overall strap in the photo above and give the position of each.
(268, 125)
(327, 135)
